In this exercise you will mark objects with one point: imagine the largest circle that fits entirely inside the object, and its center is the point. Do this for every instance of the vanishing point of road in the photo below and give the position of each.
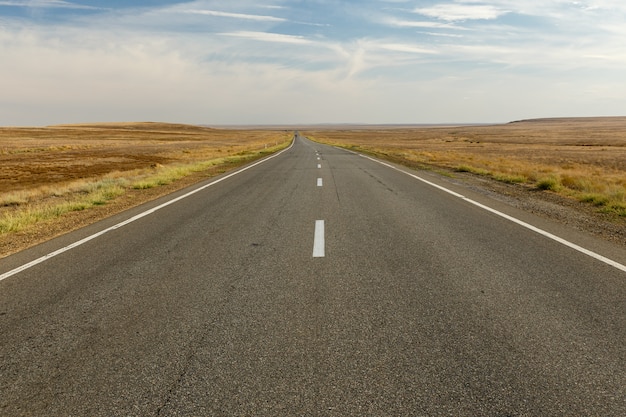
(317, 282)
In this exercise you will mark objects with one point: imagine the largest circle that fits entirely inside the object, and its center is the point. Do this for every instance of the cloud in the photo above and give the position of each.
(400, 47)
(274, 7)
(53, 76)
(243, 16)
(368, 56)
(419, 24)
(443, 35)
(457, 11)
(269, 37)
(47, 4)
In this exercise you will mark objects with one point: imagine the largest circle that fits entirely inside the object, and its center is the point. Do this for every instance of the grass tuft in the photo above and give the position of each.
(14, 199)
(596, 199)
(550, 183)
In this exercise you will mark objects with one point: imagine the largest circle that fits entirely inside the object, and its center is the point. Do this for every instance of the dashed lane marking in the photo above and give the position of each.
(318, 240)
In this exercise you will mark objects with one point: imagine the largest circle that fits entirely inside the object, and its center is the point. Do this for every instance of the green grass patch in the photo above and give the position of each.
(550, 183)
(614, 208)
(596, 199)
(144, 185)
(99, 194)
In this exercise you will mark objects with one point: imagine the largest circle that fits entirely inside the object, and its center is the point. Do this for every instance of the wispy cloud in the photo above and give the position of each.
(215, 13)
(46, 4)
(407, 48)
(419, 24)
(452, 12)
(272, 6)
(269, 37)
(443, 35)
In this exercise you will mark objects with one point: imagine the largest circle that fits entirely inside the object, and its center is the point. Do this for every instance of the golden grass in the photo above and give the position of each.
(49, 172)
(581, 158)
(30, 215)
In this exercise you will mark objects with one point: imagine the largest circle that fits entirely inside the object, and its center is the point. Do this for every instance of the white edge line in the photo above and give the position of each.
(318, 240)
(134, 218)
(542, 232)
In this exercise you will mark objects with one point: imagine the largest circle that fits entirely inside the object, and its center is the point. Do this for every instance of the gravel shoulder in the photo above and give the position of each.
(579, 216)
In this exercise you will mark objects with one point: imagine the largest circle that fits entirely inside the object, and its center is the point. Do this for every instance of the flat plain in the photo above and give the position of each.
(35, 157)
(574, 162)
(55, 179)
(594, 148)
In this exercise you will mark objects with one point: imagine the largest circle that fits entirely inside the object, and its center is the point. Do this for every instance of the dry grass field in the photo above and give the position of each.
(578, 158)
(58, 178)
(53, 179)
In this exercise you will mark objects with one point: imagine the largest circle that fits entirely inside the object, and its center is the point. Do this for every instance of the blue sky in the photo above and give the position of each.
(310, 61)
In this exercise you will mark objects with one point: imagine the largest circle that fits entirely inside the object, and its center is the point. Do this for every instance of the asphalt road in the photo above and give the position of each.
(239, 300)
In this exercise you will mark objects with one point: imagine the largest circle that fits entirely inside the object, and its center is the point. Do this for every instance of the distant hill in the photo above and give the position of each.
(145, 126)
(568, 120)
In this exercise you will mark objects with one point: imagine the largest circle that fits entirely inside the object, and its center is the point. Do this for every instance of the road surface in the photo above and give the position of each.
(316, 283)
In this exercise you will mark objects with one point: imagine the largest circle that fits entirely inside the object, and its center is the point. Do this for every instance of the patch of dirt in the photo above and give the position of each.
(23, 171)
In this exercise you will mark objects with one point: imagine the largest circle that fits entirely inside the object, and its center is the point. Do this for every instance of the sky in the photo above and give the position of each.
(249, 62)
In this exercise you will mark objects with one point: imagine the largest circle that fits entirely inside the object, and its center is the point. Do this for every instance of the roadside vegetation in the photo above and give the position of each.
(583, 159)
(45, 199)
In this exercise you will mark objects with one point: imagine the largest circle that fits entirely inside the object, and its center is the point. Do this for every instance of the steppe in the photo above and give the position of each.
(58, 178)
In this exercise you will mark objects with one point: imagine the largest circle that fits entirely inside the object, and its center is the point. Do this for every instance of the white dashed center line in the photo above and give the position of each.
(319, 166)
(320, 182)
(318, 240)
